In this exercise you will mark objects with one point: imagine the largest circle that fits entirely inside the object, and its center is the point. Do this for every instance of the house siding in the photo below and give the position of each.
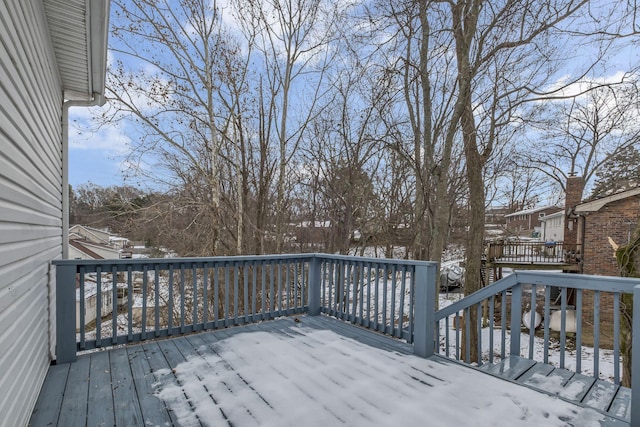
(30, 203)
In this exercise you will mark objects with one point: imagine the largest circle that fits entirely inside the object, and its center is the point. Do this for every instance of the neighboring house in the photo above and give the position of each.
(527, 222)
(52, 57)
(597, 228)
(552, 226)
(82, 249)
(101, 237)
(495, 214)
(603, 225)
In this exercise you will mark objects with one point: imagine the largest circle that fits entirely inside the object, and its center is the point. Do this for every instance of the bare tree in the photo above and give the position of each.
(578, 135)
(293, 39)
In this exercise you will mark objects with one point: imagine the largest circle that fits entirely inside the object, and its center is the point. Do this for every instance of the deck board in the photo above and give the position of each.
(588, 391)
(621, 405)
(150, 383)
(73, 411)
(154, 411)
(126, 403)
(48, 409)
(157, 363)
(100, 390)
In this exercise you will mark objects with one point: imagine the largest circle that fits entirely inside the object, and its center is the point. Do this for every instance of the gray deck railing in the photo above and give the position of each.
(102, 303)
(586, 308)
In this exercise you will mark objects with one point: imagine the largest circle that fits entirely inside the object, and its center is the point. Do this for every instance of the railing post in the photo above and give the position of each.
(425, 310)
(315, 285)
(65, 313)
(635, 359)
(516, 318)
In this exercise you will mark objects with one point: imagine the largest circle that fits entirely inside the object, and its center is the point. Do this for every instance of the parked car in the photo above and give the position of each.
(451, 276)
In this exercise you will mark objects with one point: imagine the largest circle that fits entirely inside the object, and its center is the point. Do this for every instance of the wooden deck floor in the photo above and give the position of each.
(121, 386)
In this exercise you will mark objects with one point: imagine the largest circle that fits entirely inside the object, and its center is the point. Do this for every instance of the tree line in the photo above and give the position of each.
(394, 123)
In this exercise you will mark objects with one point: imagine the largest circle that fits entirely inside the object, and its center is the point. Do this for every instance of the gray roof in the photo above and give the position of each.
(79, 34)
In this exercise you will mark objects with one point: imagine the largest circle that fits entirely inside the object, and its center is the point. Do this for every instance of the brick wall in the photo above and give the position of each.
(613, 220)
(598, 255)
(573, 191)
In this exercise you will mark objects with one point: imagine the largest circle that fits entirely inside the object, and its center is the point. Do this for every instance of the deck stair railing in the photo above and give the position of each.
(101, 303)
(571, 310)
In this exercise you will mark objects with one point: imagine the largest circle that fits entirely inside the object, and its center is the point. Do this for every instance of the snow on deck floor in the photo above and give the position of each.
(311, 377)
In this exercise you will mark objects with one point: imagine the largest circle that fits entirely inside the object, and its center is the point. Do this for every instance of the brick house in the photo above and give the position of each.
(527, 222)
(598, 227)
(604, 224)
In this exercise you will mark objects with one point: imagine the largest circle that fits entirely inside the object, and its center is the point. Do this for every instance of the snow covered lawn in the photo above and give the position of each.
(312, 377)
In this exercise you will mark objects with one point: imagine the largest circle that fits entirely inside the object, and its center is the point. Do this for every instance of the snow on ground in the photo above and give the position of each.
(319, 378)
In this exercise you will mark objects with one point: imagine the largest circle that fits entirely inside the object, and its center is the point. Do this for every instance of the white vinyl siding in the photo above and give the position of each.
(30, 203)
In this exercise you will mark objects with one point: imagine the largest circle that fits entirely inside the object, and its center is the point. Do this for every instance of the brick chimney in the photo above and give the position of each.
(573, 197)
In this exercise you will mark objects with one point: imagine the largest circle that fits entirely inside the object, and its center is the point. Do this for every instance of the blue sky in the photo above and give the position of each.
(96, 155)
(99, 155)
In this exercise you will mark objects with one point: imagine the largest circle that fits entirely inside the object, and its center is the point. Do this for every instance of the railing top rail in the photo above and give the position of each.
(478, 296)
(233, 259)
(578, 281)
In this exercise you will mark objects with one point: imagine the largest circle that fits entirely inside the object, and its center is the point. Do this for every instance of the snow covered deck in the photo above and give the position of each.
(294, 371)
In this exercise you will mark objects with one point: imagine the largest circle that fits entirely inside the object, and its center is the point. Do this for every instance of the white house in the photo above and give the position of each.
(94, 235)
(553, 227)
(52, 57)
(82, 249)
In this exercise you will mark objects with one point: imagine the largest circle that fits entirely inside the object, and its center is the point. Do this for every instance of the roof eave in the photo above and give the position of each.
(598, 204)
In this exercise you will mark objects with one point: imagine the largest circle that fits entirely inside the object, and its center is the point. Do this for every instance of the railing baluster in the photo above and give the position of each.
(227, 281)
(145, 294)
(578, 330)
(279, 287)
(129, 305)
(170, 308)
(446, 336)
(492, 307)
(287, 287)
(272, 298)
(467, 333)
(547, 317)
(563, 325)
(263, 272)
(479, 329)
(216, 295)
(156, 290)
(182, 297)
(194, 285)
(246, 293)
(361, 297)
(503, 326)
(384, 300)
(412, 291)
(376, 293)
(254, 283)
(81, 318)
(296, 302)
(596, 334)
(394, 289)
(516, 319)
(403, 274)
(99, 306)
(114, 313)
(205, 295)
(236, 293)
(532, 319)
(458, 328)
(616, 337)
